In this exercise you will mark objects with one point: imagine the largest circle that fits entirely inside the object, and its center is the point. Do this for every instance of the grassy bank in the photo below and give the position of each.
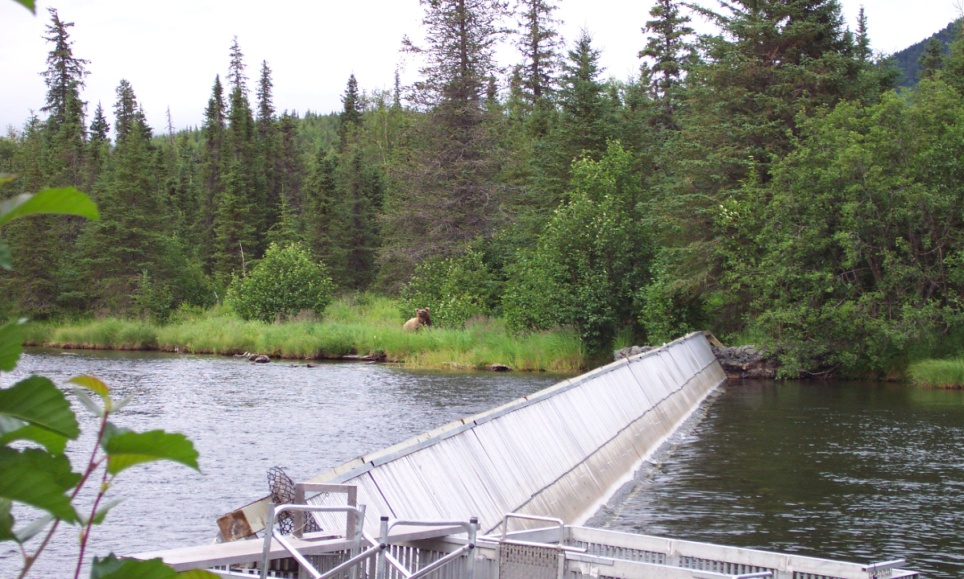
(354, 326)
(938, 373)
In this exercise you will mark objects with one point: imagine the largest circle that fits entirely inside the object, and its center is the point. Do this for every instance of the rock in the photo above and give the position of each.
(262, 359)
(499, 368)
(746, 362)
(739, 363)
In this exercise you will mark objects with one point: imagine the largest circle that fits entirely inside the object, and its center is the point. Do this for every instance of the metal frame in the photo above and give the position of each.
(385, 558)
(357, 530)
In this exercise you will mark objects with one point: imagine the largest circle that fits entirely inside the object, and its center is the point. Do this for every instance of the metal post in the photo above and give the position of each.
(470, 562)
(356, 528)
(381, 566)
(298, 517)
(269, 525)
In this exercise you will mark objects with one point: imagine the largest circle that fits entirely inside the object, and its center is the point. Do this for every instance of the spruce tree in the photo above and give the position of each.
(773, 62)
(211, 169)
(267, 177)
(323, 217)
(932, 60)
(351, 114)
(580, 129)
(236, 221)
(128, 250)
(65, 73)
(447, 195)
(669, 52)
(540, 43)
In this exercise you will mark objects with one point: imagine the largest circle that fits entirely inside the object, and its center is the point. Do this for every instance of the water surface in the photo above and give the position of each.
(243, 419)
(855, 471)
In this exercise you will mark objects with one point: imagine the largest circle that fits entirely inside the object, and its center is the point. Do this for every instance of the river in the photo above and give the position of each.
(860, 472)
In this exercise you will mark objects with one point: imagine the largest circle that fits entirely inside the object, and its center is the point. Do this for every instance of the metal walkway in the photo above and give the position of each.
(455, 550)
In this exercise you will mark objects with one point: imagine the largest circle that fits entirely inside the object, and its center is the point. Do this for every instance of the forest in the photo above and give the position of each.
(767, 182)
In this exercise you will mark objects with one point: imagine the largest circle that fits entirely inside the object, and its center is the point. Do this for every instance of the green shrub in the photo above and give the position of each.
(283, 284)
(455, 289)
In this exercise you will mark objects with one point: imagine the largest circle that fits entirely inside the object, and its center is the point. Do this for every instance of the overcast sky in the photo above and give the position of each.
(170, 51)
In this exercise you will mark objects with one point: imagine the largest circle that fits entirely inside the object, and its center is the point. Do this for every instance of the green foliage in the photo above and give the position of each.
(36, 415)
(591, 259)
(285, 282)
(111, 567)
(865, 237)
(666, 309)
(455, 289)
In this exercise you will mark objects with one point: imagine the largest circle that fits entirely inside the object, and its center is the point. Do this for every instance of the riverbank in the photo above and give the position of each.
(367, 327)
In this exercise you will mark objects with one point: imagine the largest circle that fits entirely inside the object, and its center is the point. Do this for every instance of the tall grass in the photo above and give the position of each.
(106, 334)
(938, 373)
(363, 325)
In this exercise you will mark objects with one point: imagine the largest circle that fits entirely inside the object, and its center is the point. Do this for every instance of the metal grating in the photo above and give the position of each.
(528, 561)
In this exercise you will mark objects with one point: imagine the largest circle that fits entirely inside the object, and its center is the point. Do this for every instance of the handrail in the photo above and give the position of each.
(274, 510)
(471, 529)
(559, 522)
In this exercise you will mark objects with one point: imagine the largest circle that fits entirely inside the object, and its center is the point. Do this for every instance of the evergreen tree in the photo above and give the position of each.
(66, 128)
(447, 196)
(863, 37)
(669, 52)
(65, 73)
(932, 61)
(323, 216)
(351, 114)
(211, 168)
(539, 43)
(33, 285)
(774, 61)
(128, 251)
(268, 178)
(237, 219)
(290, 172)
(99, 147)
(581, 128)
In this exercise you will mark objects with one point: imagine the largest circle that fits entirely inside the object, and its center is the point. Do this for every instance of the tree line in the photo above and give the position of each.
(764, 181)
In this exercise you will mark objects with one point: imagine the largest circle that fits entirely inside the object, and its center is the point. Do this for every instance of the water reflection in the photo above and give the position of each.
(861, 472)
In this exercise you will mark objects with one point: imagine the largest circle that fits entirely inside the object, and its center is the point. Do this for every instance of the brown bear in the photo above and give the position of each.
(421, 319)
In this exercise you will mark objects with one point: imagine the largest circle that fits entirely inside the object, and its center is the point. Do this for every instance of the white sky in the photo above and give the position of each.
(171, 50)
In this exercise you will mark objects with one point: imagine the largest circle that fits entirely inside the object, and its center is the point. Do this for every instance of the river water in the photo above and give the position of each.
(860, 472)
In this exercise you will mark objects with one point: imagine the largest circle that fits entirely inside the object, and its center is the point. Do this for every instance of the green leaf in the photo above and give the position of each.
(53, 442)
(29, 4)
(66, 201)
(11, 345)
(93, 384)
(38, 479)
(110, 567)
(38, 401)
(126, 448)
(6, 178)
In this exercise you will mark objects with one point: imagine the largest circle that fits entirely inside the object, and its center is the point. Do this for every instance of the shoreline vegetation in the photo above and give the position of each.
(947, 374)
(364, 326)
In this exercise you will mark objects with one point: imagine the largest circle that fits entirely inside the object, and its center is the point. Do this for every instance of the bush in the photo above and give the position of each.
(456, 289)
(285, 282)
